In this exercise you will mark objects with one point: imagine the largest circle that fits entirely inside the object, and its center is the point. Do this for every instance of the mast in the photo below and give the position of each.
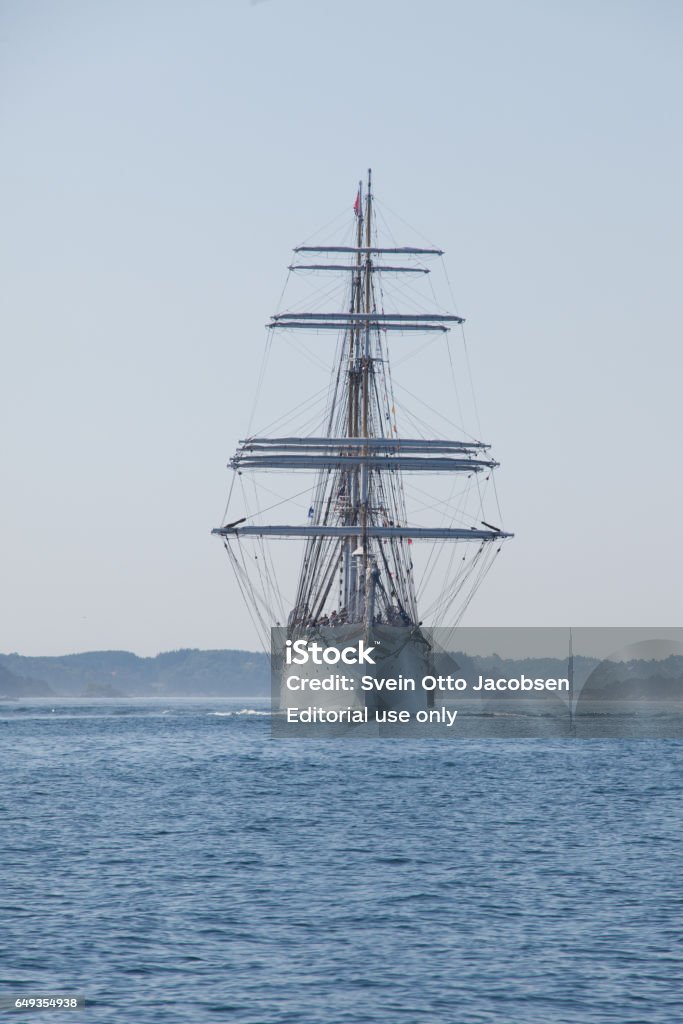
(357, 556)
(349, 562)
(366, 369)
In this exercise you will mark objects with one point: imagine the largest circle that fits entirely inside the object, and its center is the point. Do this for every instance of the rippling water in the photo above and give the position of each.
(172, 862)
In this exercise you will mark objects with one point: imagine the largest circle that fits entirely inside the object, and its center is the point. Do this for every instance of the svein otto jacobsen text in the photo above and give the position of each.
(299, 652)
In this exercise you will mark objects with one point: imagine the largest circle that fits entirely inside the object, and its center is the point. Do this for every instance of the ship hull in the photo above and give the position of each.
(401, 658)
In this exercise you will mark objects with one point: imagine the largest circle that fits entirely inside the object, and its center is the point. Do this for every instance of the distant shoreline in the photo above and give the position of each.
(123, 675)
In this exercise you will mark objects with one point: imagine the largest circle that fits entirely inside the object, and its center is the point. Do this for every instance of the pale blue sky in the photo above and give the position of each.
(159, 161)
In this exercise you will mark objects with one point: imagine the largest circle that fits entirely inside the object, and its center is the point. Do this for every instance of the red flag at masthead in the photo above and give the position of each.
(356, 204)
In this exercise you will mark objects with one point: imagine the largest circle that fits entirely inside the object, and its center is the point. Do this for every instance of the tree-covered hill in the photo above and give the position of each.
(14, 685)
(184, 673)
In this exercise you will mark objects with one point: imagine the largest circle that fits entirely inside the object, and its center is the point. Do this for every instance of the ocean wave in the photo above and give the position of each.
(242, 711)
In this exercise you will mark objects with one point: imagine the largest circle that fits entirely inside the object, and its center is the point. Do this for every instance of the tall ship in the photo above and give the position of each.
(387, 534)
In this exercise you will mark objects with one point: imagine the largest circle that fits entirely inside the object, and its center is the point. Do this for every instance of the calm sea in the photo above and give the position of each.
(173, 863)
